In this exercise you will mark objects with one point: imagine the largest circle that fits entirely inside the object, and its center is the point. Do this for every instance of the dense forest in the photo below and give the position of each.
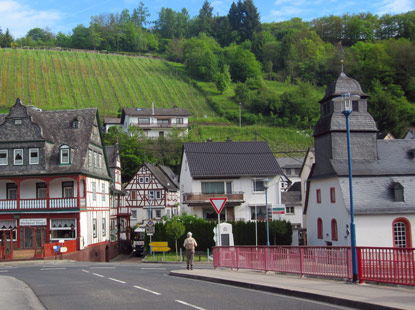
(237, 51)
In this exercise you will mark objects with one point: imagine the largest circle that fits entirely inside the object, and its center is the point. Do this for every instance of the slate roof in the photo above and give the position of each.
(162, 177)
(374, 195)
(343, 84)
(230, 159)
(394, 158)
(112, 120)
(112, 153)
(290, 162)
(291, 198)
(54, 129)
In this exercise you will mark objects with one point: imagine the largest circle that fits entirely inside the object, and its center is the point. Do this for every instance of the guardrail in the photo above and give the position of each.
(332, 262)
(28, 204)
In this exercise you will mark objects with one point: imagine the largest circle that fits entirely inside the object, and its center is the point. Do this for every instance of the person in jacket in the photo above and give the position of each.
(190, 244)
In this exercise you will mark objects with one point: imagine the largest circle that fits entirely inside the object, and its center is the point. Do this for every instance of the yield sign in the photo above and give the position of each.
(218, 203)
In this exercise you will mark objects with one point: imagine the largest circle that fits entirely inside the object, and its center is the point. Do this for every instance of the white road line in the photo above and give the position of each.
(98, 275)
(4, 271)
(147, 290)
(119, 281)
(85, 270)
(190, 305)
(47, 269)
(148, 268)
(101, 267)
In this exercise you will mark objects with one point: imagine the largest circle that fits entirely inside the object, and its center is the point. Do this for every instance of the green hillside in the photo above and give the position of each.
(68, 80)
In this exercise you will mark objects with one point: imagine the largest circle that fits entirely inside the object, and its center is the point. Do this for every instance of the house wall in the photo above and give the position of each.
(326, 210)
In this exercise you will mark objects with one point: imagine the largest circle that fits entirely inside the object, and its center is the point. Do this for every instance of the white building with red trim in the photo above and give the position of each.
(54, 181)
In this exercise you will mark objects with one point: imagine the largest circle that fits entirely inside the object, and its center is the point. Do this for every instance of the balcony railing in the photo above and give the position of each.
(38, 204)
(162, 125)
(200, 198)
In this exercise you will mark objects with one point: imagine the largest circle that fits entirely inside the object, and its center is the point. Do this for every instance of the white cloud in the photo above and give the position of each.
(20, 18)
(395, 6)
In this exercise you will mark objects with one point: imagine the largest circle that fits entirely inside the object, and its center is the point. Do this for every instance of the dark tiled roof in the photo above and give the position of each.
(170, 174)
(162, 177)
(112, 120)
(230, 159)
(290, 162)
(112, 152)
(343, 84)
(291, 198)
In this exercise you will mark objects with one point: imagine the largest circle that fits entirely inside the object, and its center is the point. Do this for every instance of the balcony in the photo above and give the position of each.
(200, 199)
(149, 126)
(39, 204)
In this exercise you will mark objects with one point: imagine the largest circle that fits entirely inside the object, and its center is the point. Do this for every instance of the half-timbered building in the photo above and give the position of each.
(54, 181)
(152, 193)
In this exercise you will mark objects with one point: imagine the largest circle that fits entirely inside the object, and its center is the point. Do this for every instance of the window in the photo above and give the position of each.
(161, 133)
(149, 214)
(94, 227)
(41, 190)
(134, 214)
(5, 226)
(397, 189)
(18, 157)
(11, 191)
(33, 156)
(213, 188)
(260, 213)
(355, 105)
(63, 229)
(75, 123)
(334, 235)
(104, 226)
(4, 157)
(133, 195)
(99, 160)
(65, 157)
(67, 189)
(144, 121)
(289, 210)
(158, 213)
(258, 185)
(402, 233)
(147, 180)
(103, 191)
(140, 180)
(228, 187)
(319, 228)
(151, 195)
(168, 211)
(332, 195)
(158, 194)
(94, 191)
(163, 121)
(318, 195)
(179, 120)
(95, 159)
(18, 122)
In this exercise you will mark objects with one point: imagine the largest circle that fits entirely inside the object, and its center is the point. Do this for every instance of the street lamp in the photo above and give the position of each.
(266, 206)
(240, 123)
(348, 108)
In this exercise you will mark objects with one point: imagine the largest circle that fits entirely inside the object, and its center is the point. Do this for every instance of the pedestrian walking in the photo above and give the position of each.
(190, 244)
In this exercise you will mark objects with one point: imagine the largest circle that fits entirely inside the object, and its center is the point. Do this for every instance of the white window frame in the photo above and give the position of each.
(158, 194)
(94, 191)
(288, 210)
(158, 213)
(94, 227)
(5, 161)
(141, 180)
(64, 150)
(63, 228)
(147, 179)
(15, 153)
(104, 226)
(99, 160)
(133, 214)
(34, 160)
(103, 191)
(90, 163)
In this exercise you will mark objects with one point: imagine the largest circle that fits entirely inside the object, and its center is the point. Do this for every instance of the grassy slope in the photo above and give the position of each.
(68, 80)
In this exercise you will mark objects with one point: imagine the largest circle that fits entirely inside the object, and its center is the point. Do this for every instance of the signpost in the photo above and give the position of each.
(159, 243)
(218, 204)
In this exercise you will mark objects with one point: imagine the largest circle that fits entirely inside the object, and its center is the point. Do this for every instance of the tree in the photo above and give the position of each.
(175, 229)
(140, 14)
(250, 21)
(223, 79)
(205, 19)
(242, 63)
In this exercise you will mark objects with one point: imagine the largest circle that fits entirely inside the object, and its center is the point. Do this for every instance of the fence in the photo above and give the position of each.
(332, 262)
(387, 265)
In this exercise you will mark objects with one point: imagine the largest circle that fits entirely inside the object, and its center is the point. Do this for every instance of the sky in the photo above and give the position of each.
(19, 16)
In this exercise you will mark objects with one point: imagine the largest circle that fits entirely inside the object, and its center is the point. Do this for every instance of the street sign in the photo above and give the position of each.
(150, 230)
(160, 248)
(218, 203)
(159, 243)
(64, 249)
(150, 222)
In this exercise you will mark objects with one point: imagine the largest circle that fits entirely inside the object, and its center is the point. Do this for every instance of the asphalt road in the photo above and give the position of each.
(141, 286)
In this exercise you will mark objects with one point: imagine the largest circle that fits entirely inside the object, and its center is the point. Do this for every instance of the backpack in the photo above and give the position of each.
(190, 244)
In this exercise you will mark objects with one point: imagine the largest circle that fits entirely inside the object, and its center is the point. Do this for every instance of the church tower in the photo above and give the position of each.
(330, 138)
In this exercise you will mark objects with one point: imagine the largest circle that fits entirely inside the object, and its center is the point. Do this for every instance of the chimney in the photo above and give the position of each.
(229, 139)
(152, 108)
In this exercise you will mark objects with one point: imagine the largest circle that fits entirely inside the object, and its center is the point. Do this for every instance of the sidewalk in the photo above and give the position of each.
(17, 295)
(360, 296)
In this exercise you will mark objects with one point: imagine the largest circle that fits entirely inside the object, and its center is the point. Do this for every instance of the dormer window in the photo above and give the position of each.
(398, 195)
(18, 121)
(75, 123)
(18, 157)
(64, 155)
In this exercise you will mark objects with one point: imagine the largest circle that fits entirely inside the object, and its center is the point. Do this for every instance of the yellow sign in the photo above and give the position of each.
(158, 243)
(160, 248)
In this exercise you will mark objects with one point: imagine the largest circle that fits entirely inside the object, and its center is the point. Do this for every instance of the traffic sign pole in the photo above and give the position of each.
(219, 241)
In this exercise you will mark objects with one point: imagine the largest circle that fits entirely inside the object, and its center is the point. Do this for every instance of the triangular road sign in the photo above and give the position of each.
(218, 203)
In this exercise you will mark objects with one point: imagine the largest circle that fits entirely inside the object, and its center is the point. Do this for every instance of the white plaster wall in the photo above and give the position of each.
(326, 211)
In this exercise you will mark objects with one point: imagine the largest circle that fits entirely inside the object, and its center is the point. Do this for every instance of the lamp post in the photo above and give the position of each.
(266, 206)
(240, 123)
(348, 108)
(150, 197)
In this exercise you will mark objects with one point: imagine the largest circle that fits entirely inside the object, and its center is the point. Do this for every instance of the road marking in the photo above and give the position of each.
(47, 269)
(147, 290)
(98, 275)
(190, 305)
(119, 281)
(150, 268)
(4, 271)
(101, 267)
(85, 270)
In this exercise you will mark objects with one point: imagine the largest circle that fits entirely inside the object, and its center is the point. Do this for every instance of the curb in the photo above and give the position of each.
(289, 292)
